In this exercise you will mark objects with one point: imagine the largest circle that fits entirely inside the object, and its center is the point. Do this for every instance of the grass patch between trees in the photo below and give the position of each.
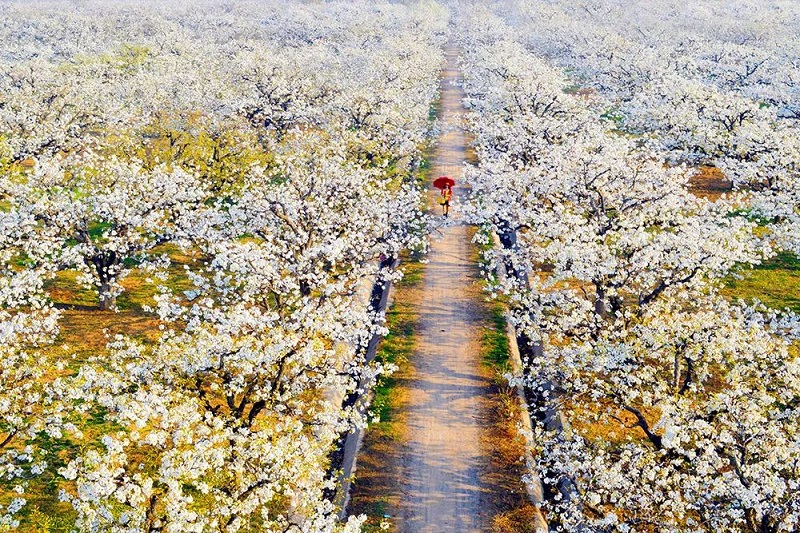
(776, 283)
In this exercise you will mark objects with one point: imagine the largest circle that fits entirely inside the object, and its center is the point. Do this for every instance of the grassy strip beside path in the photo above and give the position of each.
(377, 476)
(504, 440)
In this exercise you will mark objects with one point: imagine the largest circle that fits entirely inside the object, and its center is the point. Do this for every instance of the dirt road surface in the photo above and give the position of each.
(446, 410)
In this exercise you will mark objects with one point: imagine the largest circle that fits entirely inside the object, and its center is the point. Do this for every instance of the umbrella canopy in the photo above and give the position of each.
(443, 181)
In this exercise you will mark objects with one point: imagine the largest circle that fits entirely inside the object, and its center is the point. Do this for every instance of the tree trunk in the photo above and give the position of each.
(107, 300)
(600, 301)
(104, 263)
(676, 372)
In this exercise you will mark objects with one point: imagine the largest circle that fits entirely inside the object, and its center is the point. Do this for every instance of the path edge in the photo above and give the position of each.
(353, 440)
(532, 481)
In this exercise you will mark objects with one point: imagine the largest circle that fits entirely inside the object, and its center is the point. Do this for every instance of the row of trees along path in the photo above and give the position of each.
(441, 473)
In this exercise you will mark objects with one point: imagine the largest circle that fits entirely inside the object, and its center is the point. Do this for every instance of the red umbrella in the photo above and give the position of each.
(443, 181)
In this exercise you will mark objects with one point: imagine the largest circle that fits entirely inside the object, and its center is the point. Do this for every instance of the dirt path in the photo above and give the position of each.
(447, 458)
(446, 408)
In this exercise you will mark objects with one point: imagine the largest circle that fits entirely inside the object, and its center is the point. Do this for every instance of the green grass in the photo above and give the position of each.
(398, 346)
(44, 511)
(390, 394)
(776, 283)
(435, 110)
(378, 511)
(413, 271)
(495, 340)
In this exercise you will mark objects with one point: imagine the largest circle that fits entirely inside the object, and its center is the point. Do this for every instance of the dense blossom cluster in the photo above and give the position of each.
(717, 84)
(277, 147)
(679, 411)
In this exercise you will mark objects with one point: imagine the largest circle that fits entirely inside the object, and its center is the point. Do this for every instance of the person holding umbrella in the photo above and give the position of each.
(446, 185)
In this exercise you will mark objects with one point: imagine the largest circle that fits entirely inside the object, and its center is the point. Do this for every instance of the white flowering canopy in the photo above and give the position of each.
(679, 410)
(277, 149)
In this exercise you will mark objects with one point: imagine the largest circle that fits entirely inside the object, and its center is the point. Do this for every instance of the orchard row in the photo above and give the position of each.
(659, 405)
(269, 151)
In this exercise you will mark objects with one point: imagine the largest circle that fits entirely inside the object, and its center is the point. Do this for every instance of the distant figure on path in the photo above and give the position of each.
(446, 185)
(447, 194)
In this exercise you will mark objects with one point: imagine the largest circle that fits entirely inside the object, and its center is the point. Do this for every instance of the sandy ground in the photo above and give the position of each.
(446, 410)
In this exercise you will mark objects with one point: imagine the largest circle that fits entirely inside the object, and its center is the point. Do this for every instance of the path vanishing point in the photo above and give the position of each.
(446, 407)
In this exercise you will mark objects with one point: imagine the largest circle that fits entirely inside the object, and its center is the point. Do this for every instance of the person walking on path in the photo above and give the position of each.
(446, 185)
(447, 195)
